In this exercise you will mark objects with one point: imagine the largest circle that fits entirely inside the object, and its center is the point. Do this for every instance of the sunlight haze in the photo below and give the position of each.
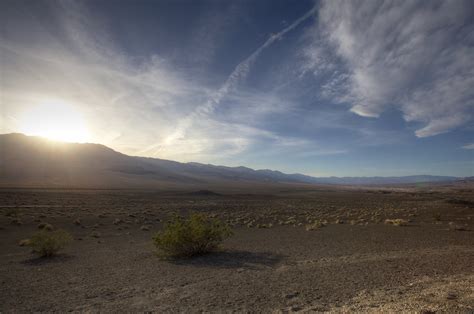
(309, 87)
(54, 120)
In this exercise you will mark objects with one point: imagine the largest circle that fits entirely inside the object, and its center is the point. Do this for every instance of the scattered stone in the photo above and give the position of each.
(144, 228)
(77, 222)
(117, 221)
(95, 234)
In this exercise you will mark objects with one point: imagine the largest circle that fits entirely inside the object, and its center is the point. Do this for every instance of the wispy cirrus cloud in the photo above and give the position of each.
(239, 74)
(71, 58)
(415, 56)
(469, 146)
(150, 85)
(143, 107)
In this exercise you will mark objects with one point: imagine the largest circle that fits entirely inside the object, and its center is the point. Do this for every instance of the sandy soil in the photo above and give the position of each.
(271, 264)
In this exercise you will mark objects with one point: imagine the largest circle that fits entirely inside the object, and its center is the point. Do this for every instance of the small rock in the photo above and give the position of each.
(95, 234)
(291, 295)
(77, 222)
(144, 228)
(452, 296)
(117, 221)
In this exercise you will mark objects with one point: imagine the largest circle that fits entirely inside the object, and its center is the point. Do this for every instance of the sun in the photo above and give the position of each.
(56, 121)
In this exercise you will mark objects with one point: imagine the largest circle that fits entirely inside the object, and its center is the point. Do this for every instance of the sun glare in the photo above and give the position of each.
(56, 121)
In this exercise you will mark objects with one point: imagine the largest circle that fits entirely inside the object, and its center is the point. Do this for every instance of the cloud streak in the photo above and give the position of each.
(414, 56)
(238, 75)
(406, 65)
(139, 108)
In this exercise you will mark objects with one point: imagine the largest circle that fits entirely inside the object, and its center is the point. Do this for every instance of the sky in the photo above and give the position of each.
(324, 88)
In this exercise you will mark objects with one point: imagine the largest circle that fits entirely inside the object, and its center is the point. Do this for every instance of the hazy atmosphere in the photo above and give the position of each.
(343, 88)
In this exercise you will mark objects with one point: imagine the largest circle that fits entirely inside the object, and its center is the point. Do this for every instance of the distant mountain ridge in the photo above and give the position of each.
(28, 161)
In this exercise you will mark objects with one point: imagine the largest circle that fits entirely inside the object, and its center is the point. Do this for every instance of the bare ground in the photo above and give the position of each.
(272, 264)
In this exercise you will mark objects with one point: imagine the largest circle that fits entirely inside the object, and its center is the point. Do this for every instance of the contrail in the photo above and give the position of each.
(240, 72)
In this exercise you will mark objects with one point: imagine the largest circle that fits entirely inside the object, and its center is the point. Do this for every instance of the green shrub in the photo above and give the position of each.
(195, 235)
(47, 243)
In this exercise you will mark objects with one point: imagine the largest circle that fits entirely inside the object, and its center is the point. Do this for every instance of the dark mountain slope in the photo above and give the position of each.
(27, 161)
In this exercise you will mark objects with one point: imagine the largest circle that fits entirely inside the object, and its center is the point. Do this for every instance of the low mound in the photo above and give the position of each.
(204, 193)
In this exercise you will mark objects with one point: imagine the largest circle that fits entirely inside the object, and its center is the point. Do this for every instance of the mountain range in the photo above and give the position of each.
(29, 161)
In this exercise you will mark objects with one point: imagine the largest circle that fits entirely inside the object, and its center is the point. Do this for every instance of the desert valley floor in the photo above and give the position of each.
(272, 263)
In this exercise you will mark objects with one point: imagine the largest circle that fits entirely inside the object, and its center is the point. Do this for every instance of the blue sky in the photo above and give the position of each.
(344, 88)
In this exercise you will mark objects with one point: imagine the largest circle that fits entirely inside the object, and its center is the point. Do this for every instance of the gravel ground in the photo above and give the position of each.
(271, 264)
